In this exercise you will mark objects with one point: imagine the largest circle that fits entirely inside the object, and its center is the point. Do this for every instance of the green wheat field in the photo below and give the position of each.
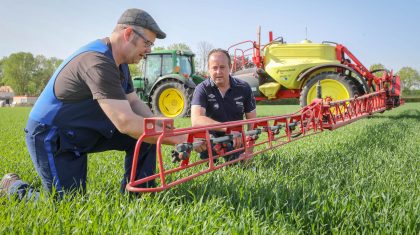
(361, 178)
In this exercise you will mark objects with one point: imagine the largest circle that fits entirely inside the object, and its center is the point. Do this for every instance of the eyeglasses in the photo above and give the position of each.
(148, 43)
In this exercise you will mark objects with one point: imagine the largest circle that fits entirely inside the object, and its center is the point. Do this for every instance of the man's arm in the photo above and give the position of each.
(129, 123)
(250, 106)
(199, 118)
(138, 106)
(198, 112)
(252, 114)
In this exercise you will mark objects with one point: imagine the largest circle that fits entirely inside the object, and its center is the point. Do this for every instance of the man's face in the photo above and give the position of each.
(219, 69)
(141, 44)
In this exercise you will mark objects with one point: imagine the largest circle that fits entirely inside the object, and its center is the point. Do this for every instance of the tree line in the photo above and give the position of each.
(28, 74)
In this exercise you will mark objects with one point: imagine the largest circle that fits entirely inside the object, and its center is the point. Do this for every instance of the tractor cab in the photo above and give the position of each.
(162, 63)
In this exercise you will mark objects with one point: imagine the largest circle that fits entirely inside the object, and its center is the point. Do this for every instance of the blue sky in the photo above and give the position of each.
(386, 32)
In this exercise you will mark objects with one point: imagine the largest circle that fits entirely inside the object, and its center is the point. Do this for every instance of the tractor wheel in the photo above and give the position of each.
(171, 99)
(333, 86)
(360, 88)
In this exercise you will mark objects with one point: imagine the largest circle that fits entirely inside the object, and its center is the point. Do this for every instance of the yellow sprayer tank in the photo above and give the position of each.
(284, 62)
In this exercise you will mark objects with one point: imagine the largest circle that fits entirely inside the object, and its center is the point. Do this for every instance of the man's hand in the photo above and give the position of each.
(237, 139)
(201, 146)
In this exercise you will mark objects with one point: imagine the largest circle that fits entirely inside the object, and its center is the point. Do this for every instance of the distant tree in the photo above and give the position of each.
(44, 69)
(374, 67)
(18, 71)
(1, 70)
(26, 74)
(135, 69)
(410, 78)
(204, 49)
(158, 48)
(179, 46)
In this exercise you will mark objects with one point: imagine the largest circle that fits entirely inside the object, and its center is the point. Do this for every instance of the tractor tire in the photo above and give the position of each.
(333, 85)
(360, 88)
(171, 99)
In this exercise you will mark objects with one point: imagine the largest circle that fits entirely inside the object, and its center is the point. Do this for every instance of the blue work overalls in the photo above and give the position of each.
(59, 135)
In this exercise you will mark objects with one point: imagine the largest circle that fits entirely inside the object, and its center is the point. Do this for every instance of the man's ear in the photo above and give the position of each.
(127, 33)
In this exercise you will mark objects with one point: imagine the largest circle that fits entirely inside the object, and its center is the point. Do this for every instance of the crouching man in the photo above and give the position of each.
(89, 105)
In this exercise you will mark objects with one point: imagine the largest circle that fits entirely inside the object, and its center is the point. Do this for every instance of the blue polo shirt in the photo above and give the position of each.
(238, 100)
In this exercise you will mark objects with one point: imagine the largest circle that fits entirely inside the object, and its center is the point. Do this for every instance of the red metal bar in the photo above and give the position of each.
(387, 77)
(275, 131)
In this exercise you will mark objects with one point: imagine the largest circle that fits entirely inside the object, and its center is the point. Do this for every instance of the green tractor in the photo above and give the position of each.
(168, 82)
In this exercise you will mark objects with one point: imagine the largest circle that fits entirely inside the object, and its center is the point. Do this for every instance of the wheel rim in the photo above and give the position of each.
(171, 102)
(329, 88)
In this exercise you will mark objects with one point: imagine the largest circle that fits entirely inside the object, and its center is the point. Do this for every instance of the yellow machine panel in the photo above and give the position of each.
(284, 62)
(270, 89)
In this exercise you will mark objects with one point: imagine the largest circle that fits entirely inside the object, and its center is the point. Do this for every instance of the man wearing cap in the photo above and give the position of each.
(89, 105)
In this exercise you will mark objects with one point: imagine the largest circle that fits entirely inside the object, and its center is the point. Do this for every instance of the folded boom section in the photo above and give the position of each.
(178, 164)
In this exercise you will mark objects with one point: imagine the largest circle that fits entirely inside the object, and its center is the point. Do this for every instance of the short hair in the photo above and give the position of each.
(221, 51)
(120, 27)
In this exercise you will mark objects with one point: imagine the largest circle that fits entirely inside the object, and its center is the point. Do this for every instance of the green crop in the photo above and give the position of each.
(361, 178)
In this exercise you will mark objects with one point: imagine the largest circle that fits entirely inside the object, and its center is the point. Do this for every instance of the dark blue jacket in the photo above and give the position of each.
(237, 101)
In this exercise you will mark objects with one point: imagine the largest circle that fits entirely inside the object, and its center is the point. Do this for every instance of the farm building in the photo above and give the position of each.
(6, 95)
(24, 100)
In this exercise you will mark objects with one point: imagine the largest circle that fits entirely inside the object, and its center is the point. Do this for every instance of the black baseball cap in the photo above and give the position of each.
(138, 17)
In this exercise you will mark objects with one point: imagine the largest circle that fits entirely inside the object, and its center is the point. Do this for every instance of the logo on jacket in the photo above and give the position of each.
(216, 106)
(240, 105)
